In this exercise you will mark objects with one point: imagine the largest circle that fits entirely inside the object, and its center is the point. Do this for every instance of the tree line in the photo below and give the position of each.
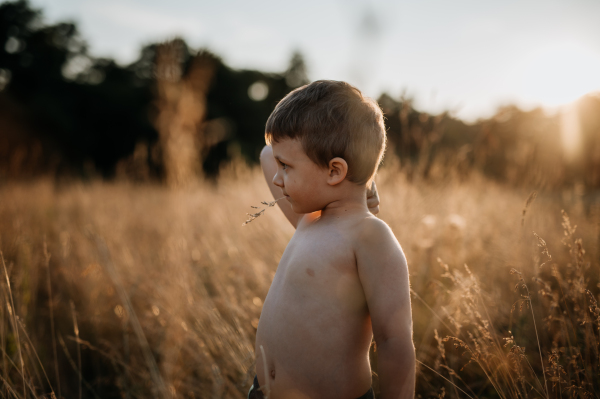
(177, 113)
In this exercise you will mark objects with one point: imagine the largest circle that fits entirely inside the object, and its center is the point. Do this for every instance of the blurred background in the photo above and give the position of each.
(141, 89)
(129, 139)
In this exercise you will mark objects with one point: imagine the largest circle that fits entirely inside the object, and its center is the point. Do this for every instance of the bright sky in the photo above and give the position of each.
(469, 56)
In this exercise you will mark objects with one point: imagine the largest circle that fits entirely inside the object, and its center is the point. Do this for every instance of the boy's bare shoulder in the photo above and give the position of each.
(376, 245)
(371, 229)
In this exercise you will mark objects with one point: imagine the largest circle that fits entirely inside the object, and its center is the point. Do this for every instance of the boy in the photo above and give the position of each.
(343, 277)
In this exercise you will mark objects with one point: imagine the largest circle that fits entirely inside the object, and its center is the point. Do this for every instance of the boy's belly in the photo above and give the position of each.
(315, 331)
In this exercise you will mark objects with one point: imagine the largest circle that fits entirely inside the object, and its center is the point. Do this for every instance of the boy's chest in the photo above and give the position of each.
(317, 278)
(318, 263)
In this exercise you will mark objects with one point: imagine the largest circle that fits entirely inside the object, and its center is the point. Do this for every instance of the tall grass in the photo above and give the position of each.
(122, 290)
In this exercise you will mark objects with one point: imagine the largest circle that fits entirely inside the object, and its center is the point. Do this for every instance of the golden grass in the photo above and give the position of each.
(149, 292)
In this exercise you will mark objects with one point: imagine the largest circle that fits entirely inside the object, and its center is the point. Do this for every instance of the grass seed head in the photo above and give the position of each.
(252, 216)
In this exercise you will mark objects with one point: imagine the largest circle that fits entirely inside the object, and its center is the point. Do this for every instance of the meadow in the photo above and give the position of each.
(116, 289)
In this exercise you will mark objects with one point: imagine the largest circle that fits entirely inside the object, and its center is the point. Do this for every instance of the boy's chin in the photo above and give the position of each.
(297, 210)
(295, 207)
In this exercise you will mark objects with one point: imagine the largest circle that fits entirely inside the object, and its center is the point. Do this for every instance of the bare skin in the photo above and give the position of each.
(341, 280)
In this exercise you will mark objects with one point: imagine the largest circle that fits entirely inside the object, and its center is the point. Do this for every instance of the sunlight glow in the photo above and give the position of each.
(559, 74)
(570, 130)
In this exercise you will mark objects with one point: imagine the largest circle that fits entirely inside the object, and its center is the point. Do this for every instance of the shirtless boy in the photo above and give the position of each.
(342, 279)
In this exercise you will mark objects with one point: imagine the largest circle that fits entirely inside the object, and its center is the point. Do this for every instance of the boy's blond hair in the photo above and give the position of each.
(332, 119)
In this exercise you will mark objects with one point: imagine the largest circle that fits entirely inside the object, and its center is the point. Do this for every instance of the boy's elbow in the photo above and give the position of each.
(397, 343)
(402, 342)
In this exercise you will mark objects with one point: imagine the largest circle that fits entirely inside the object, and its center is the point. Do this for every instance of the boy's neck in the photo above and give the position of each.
(350, 199)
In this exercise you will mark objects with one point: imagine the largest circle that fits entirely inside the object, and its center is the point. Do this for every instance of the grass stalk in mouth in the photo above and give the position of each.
(252, 216)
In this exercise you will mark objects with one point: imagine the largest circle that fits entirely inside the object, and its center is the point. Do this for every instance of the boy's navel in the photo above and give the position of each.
(310, 272)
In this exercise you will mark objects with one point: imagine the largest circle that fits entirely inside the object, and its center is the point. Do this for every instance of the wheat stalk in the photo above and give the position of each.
(252, 216)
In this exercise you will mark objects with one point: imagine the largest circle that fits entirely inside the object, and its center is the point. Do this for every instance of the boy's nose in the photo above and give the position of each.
(277, 180)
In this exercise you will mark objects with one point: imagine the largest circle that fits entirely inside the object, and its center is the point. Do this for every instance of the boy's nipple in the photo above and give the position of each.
(310, 272)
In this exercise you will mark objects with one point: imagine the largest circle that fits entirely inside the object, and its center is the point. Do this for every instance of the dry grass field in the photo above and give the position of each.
(136, 291)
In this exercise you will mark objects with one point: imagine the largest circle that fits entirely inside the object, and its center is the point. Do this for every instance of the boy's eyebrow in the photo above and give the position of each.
(277, 157)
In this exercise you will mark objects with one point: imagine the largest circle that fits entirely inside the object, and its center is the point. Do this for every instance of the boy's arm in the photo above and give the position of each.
(384, 276)
(269, 167)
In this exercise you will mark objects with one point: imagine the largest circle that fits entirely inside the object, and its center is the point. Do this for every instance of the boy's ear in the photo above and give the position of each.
(338, 169)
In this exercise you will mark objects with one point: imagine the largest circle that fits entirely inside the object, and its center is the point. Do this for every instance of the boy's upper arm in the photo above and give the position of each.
(269, 167)
(384, 276)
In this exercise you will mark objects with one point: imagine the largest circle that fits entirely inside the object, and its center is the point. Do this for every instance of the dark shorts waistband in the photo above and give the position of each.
(256, 393)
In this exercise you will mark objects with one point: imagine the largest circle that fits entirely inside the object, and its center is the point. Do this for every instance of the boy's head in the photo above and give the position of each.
(332, 119)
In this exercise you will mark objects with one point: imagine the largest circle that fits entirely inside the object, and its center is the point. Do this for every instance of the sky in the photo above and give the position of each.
(465, 56)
